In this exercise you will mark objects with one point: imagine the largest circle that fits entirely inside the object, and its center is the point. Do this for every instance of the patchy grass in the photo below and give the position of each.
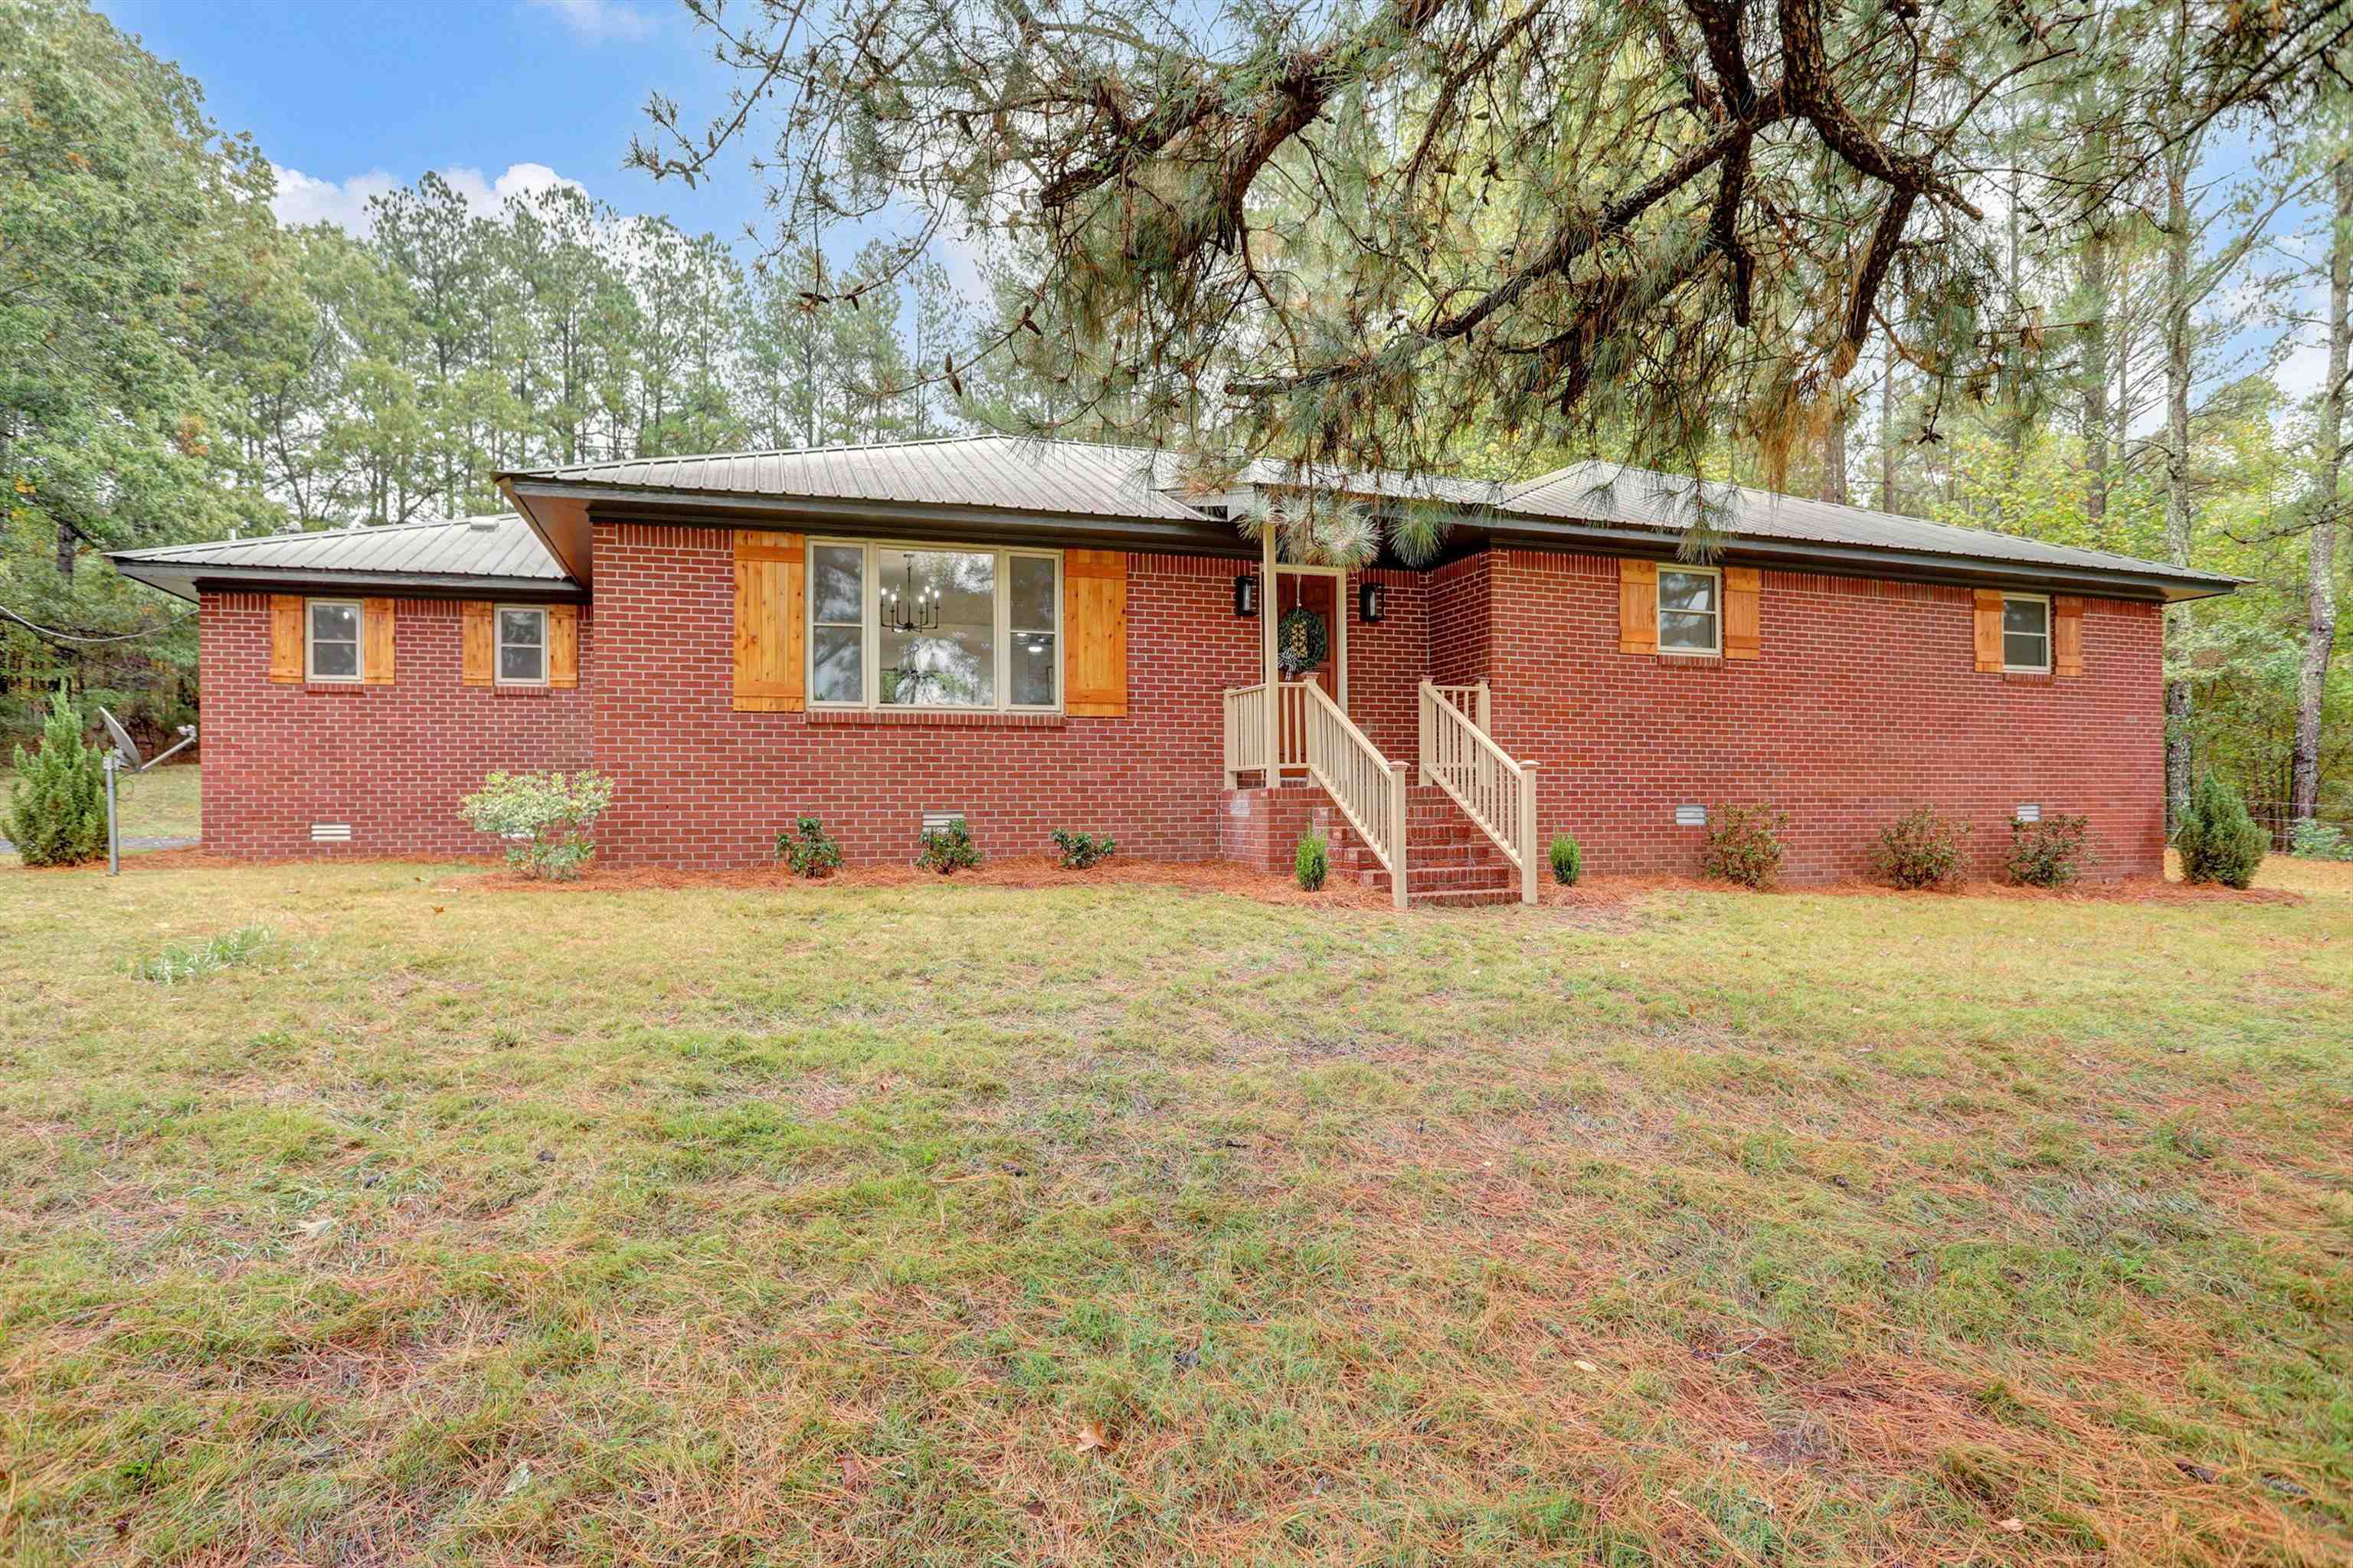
(192, 961)
(952, 1223)
(164, 804)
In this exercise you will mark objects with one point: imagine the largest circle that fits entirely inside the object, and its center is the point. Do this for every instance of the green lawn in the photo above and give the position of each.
(162, 804)
(956, 1226)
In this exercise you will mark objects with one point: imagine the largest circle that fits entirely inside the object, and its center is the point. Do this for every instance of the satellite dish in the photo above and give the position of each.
(123, 741)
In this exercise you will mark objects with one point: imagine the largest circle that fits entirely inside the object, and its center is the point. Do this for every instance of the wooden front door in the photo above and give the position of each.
(1322, 591)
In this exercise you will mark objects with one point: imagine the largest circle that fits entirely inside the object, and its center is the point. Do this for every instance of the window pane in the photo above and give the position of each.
(335, 622)
(837, 584)
(1686, 591)
(939, 628)
(523, 627)
(2024, 650)
(1033, 669)
(521, 661)
(1033, 594)
(836, 664)
(1687, 630)
(335, 659)
(2028, 615)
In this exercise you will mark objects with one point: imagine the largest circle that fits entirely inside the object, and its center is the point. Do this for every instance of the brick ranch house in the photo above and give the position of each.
(1033, 635)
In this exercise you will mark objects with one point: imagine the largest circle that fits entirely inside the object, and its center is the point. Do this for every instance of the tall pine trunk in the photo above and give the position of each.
(1834, 449)
(2097, 293)
(2178, 515)
(2320, 542)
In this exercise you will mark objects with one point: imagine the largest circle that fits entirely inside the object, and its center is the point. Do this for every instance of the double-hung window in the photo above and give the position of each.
(2026, 634)
(522, 647)
(929, 626)
(334, 639)
(1690, 610)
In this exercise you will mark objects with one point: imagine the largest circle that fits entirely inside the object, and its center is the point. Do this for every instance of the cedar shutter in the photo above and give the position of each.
(288, 658)
(1638, 606)
(1094, 616)
(1742, 587)
(564, 645)
(1989, 623)
(478, 642)
(2066, 636)
(770, 612)
(376, 638)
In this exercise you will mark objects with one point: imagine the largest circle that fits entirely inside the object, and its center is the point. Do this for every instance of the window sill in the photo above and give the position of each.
(889, 718)
(2028, 677)
(1695, 661)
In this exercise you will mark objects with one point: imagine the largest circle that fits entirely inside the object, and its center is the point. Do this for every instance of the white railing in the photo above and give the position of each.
(1494, 792)
(1245, 732)
(1368, 788)
(1470, 698)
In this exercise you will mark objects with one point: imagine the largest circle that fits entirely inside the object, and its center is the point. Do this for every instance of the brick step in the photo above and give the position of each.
(1360, 857)
(1463, 897)
(1336, 829)
(1420, 878)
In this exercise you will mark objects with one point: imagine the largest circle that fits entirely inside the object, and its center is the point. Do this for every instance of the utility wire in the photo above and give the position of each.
(72, 637)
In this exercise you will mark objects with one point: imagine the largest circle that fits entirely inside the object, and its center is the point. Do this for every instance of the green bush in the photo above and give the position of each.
(2047, 854)
(948, 850)
(2218, 841)
(1311, 861)
(1921, 849)
(2313, 838)
(546, 819)
(1081, 850)
(808, 848)
(1568, 860)
(58, 810)
(1744, 844)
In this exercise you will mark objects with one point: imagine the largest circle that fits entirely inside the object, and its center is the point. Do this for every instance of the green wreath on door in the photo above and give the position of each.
(1301, 639)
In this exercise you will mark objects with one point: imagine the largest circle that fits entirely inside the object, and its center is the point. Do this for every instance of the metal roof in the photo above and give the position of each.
(496, 551)
(1641, 498)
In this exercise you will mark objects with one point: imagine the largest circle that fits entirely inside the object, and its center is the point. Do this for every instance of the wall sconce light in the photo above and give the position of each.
(1245, 595)
(1372, 602)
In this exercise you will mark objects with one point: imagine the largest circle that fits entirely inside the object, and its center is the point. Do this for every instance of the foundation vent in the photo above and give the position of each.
(331, 832)
(1691, 816)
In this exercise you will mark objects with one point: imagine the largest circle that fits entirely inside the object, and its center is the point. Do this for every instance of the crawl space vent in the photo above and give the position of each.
(1691, 816)
(2032, 811)
(941, 821)
(331, 832)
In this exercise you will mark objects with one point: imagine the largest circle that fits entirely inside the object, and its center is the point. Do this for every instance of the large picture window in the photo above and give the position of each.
(930, 626)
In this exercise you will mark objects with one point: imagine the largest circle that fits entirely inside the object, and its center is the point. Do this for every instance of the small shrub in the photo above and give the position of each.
(2218, 841)
(1081, 850)
(1568, 860)
(1921, 849)
(58, 810)
(546, 819)
(808, 848)
(948, 850)
(2313, 838)
(1311, 861)
(226, 951)
(2047, 854)
(1744, 844)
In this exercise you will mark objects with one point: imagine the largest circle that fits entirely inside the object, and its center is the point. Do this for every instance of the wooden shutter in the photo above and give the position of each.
(2066, 636)
(376, 638)
(1094, 627)
(564, 645)
(1988, 620)
(288, 658)
(477, 643)
(1742, 588)
(1638, 606)
(771, 591)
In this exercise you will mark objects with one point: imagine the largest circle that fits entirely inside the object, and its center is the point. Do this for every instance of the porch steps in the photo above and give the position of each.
(1448, 862)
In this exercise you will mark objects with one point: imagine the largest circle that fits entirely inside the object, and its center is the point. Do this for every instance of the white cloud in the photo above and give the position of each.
(303, 198)
(597, 20)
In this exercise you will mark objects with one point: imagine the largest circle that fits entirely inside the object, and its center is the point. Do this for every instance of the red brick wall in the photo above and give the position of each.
(1386, 662)
(1865, 704)
(700, 785)
(392, 761)
(1461, 620)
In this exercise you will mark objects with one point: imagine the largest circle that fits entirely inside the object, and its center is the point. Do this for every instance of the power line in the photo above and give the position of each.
(74, 637)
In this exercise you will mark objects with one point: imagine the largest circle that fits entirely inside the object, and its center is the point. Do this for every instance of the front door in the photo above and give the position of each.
(1310, 651)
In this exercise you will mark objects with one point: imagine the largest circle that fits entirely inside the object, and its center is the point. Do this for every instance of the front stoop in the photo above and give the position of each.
(1448, 863)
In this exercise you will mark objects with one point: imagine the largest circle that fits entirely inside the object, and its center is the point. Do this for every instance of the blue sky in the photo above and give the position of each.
(352, 96)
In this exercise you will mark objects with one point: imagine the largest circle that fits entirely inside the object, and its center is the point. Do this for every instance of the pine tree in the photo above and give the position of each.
(57, 810)
(2218, 841)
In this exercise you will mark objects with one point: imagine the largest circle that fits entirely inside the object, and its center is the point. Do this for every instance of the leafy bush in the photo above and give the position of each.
(948, 850)
(226, 951)
(1744, 844)
(1921, 850)
(2218, 841)
(808, 848)
(57, 810)
(546, 819)
(1568, 860)
(1311, 861)
(1081, 850)
(2313, 838)
(2047, 854)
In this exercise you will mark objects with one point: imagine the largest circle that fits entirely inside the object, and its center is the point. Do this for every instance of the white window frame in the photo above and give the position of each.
(1659, 613)
(2007, 667)
(359, 641)
(499, 613)
(870, 629)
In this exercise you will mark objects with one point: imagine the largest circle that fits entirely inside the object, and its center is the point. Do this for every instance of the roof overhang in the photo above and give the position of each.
(189, 580)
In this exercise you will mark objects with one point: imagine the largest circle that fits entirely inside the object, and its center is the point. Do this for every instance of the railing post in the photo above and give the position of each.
(1527, 831)
(1268, 597)
(1428, 727)
(1397, 833)
(1483, 709)
(1233, 778)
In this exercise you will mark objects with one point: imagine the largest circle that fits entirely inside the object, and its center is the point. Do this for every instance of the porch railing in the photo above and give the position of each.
(1471, 698)
(1246, 729)
(1461, 758)
(1368, 788)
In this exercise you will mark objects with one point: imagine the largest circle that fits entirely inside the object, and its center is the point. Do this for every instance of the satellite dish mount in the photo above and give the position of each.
(124, 757)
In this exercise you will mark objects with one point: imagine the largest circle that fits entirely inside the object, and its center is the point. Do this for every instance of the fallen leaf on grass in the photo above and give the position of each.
(1092, 1437)
(516, 1482)
(853, 1472)
(2015, 1526)
(1584, 1366)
